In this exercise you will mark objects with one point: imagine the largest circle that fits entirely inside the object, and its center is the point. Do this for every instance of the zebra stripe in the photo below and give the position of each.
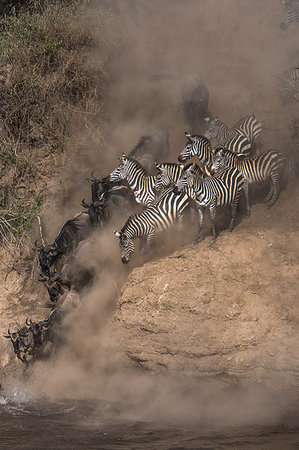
(142, 185)
(240, 138)
(198, 146)
(291, 13)
(212, 192)
(291, 82)
(157, 217)
(254, 170)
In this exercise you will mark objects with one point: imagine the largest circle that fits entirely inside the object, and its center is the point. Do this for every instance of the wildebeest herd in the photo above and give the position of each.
(165, 191)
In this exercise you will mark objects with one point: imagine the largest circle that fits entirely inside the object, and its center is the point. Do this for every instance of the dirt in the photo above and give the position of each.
(228, 310)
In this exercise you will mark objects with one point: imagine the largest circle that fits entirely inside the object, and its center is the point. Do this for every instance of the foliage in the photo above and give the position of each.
(51, 87)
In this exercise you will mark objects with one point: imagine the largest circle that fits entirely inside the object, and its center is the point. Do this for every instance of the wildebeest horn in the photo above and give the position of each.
(42, 277)
(37, 245)
(28, 322)
(84, 204)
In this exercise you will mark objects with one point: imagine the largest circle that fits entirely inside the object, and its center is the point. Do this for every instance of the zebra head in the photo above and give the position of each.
(214, 128)
(126, 246)
(168, 173)
(120, 172)
(218, 159)
(197, 146)
(185, 181)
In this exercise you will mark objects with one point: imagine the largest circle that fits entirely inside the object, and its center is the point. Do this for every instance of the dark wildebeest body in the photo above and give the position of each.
(151, 149)
(68, 238)
(29, 339)
(195, 99)
(76, 273)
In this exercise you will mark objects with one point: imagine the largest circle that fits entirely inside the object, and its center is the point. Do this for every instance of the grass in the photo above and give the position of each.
(51, 90)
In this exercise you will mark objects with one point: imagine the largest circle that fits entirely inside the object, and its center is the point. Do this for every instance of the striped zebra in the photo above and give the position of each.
(212, 192)
(254, 170)
(170, 173)
(290, 82)
(142, 185)
(291, 13)
(198, 146)
(240, 138)
(157, 217)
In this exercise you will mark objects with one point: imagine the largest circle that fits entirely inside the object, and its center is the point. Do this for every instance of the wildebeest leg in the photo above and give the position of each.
(200, 213)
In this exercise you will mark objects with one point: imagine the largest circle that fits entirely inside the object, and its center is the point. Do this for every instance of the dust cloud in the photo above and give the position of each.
(238, 50)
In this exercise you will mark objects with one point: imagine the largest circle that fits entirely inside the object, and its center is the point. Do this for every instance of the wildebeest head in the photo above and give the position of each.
(54, 286)
(126, 246)
(46, 255)
(23, 342)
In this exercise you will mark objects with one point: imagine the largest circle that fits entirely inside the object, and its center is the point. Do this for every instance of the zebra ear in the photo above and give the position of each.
(182, 166)
(207, 119)
(188, 136)
(158, 165)
(117, 234)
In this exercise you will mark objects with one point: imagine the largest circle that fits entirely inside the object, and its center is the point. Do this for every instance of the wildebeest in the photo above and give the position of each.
(151, 149)
(76, 273)
(195, 99)
(72, 232)
(28, 340)
(104, 193)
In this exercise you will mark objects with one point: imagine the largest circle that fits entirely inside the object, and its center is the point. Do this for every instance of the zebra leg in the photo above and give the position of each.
(274, 189)
(200, 213)
(271, 192)
(180, 222)
(234, 207)
(213, 220)
(146, 242)
(246, 193)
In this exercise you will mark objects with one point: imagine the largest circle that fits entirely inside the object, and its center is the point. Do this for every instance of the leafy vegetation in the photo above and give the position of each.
(51, 89)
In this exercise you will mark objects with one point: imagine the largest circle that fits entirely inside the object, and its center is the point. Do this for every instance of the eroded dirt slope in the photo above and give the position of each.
(229, 310)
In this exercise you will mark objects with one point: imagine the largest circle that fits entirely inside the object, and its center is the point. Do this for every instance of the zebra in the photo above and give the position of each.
(254, 170)
(198, 146)
(290, 82)
(157, 217)
(142, 185)
(291, 13)
(240, 138)
(212, 192)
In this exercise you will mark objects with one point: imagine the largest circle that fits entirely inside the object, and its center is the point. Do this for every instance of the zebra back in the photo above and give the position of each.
(249, 127)
(223, 188)
(158, 217)
(254, 170)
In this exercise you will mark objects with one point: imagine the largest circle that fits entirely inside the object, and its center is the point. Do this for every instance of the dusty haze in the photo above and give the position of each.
(238, 50)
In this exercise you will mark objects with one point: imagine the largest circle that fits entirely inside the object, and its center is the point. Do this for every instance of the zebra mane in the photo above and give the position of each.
(138, 164)
(130, 219)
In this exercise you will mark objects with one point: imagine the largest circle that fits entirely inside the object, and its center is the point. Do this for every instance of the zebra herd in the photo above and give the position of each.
(217, 180)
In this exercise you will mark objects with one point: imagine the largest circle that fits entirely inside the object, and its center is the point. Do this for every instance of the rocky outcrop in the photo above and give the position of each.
(228, 311)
